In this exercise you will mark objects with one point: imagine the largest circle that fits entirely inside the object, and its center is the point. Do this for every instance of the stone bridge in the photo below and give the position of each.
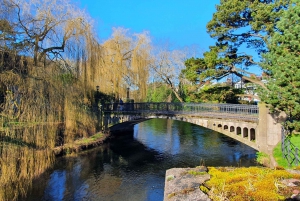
(252, 125)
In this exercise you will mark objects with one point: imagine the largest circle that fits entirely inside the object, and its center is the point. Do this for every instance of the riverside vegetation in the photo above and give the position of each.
(50, 65)
(253, 183)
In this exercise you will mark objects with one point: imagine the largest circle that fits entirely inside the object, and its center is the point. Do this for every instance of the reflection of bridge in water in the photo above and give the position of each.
(250, 124)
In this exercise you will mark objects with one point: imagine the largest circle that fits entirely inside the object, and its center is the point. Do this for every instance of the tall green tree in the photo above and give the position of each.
(237, 25)
(282, 63)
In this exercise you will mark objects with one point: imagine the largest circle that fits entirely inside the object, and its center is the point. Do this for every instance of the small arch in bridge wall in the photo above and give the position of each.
(225, 127)
(238, 130)
(245, 132)
(219, 125)
(231, 129)
(252, 134)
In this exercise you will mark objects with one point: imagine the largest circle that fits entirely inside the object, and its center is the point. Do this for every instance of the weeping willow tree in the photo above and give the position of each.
(47, 68)
(50, 64)
(140, 66)
(124, 64)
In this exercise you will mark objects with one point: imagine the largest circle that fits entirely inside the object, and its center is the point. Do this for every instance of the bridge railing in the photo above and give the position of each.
(236, 111)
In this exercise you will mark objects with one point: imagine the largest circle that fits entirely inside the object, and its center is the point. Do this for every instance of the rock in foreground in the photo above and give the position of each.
(184, 183)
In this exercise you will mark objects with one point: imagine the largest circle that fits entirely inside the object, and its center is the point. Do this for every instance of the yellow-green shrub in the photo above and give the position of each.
(254, 183)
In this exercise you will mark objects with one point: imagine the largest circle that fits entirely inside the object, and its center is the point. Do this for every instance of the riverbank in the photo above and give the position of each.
(94, 140)
(198, 183)
(191, 182)
(81, 144)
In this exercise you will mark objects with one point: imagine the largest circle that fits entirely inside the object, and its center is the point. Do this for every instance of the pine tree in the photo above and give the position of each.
(238, 25)
(282, 63)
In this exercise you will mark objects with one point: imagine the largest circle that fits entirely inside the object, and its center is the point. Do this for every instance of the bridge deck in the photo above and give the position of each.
(221, 111)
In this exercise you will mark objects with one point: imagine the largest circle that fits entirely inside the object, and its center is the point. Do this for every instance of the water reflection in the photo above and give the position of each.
(132, 166)
(56, 186)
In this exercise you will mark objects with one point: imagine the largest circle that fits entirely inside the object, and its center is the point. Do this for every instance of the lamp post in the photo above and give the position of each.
(98, 110)
(127, 94)
(97, 96)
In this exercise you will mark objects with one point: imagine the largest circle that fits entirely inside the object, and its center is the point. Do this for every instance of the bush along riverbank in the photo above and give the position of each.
(234, 184)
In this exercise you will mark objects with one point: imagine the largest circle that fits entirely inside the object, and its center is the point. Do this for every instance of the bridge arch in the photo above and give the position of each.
(238, 130)
(245, 132)
(252, 134)
(225, 127)
(253, 125)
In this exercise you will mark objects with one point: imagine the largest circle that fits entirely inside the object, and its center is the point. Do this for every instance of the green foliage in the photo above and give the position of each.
(193, 69)
(277, 153)
(262, 158)
(204, 189)
(282, 63)
(196, 173)
(187, 92)
(66, 78)
(171, 195)
(235, 25)
(170, 177)
(158, 92)
(218, 94)
(295, 139)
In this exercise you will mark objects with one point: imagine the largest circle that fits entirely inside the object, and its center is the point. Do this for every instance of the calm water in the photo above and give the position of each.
(132, 167)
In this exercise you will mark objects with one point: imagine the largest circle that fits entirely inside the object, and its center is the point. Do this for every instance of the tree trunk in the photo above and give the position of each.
(176, 94)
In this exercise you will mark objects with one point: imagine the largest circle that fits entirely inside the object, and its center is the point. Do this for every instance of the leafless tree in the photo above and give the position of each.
(46, 28)
(166, 67)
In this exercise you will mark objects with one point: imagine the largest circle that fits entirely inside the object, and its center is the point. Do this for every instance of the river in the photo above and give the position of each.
(132, 166)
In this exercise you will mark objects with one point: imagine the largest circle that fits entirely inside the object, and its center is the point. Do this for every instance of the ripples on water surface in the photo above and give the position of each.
(132, 166)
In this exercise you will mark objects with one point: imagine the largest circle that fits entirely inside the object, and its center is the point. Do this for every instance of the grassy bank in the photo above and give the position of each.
(277, 153)
(81, 144)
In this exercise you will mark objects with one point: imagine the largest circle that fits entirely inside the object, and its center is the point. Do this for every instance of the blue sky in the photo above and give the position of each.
(180, 22)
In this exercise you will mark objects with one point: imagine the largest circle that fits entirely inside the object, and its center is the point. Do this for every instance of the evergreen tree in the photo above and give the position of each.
(237, 25)
(282, 63)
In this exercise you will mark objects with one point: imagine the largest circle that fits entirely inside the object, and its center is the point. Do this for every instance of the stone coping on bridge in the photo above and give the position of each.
(151, 114)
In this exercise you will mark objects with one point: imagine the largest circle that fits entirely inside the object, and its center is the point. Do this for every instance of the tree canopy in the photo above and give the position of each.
(282, 63)
(236, 26)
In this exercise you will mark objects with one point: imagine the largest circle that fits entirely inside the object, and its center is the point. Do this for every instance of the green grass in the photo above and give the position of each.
(195, 173)
(277, 153)
(89, 140)
(73, 147)
(295, 139)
